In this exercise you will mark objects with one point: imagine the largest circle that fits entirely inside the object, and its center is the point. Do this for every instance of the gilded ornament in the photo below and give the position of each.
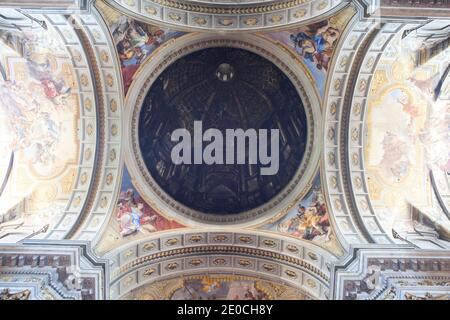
(149, 272)
(113, 105)
(322, 5)
(362, 85)
(344, 61)
(104, 56)
(195, 262)
(355, 158)
(357, 109)
(172, 266)
(109, 179)
(88, 104)
(172, 241)
(300, 13)
(220, 238)
(112, 155)
(276, 18)
(330, 134)
(77, 56)
(333, 182)
(114, 129)
(128, 281)
(269, 243)
(337, 204)
(174, 16)
(311, 283)
(291, 273)
(97, 34)
(313, 256)
(292, 248)
(150, 10)
(195, 238)
(88, 154)
(129, 253)
(103, 202)
(353, 40)
(76, 201)
(355, 134)
(268, 267)
(84, 80)
(148, 246)
(89, 129)
(244, 263)
(358, 182)
(219, 261)
(333, 108)
(245, 239)
(83, 178)
(200, 21)
(331, 158)
(226, 22)
(337, 84)
(251, 21)
(370, 62)
(364, 204)
(109, 80)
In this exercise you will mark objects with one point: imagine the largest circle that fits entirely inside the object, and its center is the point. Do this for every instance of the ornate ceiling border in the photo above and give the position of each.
(299, 263)
(391, 273)
(174, 50)
(165, 289)
(344, 179)
(227, 16)
(99, 85)
(54, 270)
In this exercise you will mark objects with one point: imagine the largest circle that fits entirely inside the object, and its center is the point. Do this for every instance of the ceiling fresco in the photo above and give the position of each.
(315, 43)
(216, 287)
(94, 206)
(133, 218)
(135, 40)
(308, 220)
(39, 116)
(407, 135)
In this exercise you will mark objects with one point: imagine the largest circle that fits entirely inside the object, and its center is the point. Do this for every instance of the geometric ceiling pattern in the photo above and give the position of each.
(92, 208)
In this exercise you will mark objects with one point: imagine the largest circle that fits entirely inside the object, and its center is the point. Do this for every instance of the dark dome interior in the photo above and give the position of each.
(225, 88)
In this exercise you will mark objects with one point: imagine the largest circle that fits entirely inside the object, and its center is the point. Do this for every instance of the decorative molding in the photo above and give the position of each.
(53, 270)
(207, 15)
(345, 104)
(391, 272)
(152, 260)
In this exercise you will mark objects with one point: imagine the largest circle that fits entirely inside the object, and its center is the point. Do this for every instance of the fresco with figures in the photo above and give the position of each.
(308, 220)
(135, 41)
(216, 287)
(39, 114)
(133, 218)
(207, 288)
(407, 135)
(315, 43)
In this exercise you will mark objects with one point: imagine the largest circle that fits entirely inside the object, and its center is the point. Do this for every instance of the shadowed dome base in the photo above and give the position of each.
(225, 88)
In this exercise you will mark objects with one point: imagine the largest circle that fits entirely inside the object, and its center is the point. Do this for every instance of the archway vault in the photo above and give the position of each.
(298, 264)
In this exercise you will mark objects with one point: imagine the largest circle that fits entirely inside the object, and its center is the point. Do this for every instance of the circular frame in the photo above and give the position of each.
(154, 66)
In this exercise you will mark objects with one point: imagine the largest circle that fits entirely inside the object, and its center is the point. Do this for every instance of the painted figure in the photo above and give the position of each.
(316, 43)
(135, 41)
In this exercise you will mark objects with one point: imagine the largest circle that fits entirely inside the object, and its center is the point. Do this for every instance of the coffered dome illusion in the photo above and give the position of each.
(225, 88)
